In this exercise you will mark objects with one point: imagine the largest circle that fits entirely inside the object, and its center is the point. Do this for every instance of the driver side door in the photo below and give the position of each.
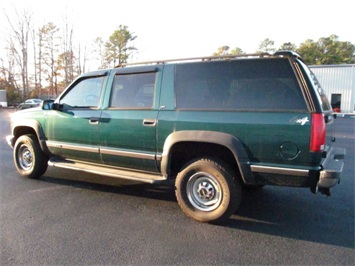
(73, 129)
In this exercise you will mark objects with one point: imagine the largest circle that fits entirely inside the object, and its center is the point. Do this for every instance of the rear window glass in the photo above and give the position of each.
(256, 84)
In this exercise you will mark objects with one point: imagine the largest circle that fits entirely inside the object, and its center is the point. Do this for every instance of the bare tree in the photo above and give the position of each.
(49, 55)
(100, 51)
(46, 57)
(18, 41)
(40, 57)
(8, 79)
(82, 58)
(7, 73)
(67, 56)
(37, 84)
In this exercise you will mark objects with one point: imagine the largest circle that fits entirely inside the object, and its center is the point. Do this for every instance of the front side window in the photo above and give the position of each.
(133, 91)
(86, 93)
(259, 84)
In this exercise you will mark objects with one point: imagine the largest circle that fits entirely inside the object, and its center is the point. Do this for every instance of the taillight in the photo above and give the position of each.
(317, 133)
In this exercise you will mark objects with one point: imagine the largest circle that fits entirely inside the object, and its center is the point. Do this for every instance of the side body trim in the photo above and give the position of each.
(125, 153)
(279, 170)
(76, 147)
(106, 150)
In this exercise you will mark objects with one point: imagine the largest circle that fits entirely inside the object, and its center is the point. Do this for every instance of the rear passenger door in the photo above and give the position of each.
(128, 124)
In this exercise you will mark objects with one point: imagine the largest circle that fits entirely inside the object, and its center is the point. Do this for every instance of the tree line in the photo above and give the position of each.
(41, 61)
(325, 51)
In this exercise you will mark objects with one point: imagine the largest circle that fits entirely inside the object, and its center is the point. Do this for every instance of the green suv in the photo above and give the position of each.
(212, 125)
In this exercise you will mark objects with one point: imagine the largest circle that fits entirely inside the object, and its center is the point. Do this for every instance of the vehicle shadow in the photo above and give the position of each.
(283, 212)
(110, 185)
(296, 214)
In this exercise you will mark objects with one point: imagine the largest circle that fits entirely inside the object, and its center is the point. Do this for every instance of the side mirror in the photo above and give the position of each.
(48, 105)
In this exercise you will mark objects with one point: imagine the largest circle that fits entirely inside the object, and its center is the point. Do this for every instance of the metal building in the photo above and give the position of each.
(338, 82)
(3, 98)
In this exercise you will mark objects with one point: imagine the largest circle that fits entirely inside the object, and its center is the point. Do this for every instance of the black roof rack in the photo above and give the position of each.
(212, 58)
(288, 53)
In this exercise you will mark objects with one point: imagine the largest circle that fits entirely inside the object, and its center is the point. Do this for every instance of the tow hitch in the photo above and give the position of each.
(321, 190)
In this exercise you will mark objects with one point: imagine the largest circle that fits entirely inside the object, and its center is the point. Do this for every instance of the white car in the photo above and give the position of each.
(30, 103)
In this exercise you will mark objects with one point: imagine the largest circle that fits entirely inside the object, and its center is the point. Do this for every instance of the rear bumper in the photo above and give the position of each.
(332, 168)
(323, 176)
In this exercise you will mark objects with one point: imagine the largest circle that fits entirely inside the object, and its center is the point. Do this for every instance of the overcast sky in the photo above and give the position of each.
(190, 28)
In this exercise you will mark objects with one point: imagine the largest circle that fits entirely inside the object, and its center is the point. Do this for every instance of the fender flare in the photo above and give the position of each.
(36, 126)
(227, 140)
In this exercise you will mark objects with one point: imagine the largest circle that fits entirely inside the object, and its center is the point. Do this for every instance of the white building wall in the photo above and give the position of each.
(338, 79)
(3, 98)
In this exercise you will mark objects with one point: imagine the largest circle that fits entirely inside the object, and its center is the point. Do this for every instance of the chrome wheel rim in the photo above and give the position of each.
(25, 157)
(204, 191)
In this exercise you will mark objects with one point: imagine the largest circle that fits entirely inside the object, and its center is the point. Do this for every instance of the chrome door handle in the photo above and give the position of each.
(149, 122)
(94, 120)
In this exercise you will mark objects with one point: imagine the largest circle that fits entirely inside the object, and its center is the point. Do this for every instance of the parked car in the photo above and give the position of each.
(212, 126)
(30, 103)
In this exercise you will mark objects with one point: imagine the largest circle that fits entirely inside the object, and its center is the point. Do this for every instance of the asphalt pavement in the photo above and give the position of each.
(72, 218)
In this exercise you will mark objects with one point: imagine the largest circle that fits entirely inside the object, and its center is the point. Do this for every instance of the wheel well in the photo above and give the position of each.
(183, 152)
(19, 131)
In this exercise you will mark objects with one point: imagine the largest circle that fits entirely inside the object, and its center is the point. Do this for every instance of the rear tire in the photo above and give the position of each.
(208, 191)
(29, 158)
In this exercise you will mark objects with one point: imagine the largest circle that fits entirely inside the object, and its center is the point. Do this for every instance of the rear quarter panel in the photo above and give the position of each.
(262, 133)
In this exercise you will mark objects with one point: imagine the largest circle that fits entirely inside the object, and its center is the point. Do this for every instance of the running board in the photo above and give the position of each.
(107, 171)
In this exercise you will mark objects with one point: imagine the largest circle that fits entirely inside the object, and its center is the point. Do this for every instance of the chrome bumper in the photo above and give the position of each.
(332, 168)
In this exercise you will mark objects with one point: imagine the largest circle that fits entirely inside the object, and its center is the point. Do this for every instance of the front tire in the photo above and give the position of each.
(29, 158)
(208, 191)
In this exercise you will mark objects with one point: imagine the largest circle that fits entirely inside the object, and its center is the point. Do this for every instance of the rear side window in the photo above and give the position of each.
(133, 91)
(254, 84)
